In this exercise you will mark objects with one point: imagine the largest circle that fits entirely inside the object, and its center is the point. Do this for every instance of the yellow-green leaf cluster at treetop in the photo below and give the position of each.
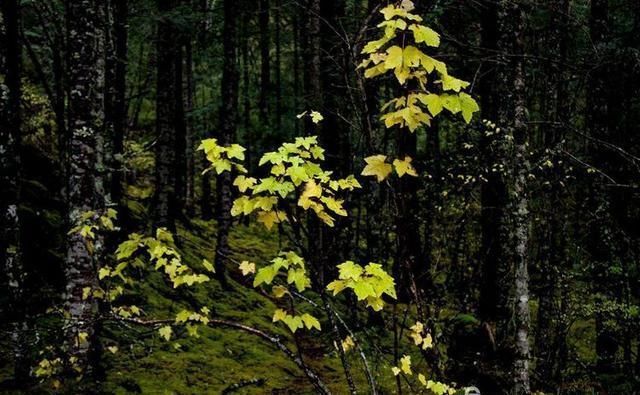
(399, 50)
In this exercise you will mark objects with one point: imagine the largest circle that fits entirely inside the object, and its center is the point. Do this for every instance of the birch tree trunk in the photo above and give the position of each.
(85, 123)
(512, 114)
(504, 304)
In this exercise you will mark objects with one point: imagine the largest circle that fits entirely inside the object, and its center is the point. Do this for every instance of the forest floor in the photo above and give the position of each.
(218, 358)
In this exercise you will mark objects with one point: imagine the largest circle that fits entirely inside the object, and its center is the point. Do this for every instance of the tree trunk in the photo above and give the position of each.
(227, 131)
(493, 191)
(180, 127)
(167, 51)
(512, 114)
(190, 128)
(551, 324)
(120, 38)
(599, 243)
(504, 303)
(10, 141)
(265, 69)
(85, 123)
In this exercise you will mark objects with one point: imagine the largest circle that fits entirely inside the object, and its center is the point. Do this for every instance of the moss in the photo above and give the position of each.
(219, 357)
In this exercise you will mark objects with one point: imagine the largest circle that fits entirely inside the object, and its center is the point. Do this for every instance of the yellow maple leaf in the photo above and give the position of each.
(165, 332)
(269, 218)
(405, 364)
(279, 291)
(427, 342)
(404, 167)
(247, 267)
(243, 183)
(348, 344)
(377, 167)
(316, 117)
(279, 315)
(424, 34)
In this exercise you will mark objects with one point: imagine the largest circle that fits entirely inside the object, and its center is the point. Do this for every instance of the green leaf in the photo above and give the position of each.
(264, 275)
(235, 151)
(299, 278)
(104, 272)
(468, 106)
(363, 290)
(183, 316)
(207, 265)
(293, 322)
(433, 103)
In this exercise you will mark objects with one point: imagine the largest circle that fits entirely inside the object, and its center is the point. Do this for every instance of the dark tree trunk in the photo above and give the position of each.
(190, 128)
(167, 51)
(278, 66)
(493, 191)
(86, 76)
(119, 103)
(265, 69)
(248, 132)
(599, 243)
(311, 55)
(180, 127)
(408, 244)
(227, 130)
(10, 141)
(551, 324)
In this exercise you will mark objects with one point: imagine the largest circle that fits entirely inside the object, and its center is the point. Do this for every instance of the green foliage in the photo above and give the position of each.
(291, 269)
(394, 51)
(223, 158)
(399, 51)
(162, 254)
(296, 181)
(369, 283)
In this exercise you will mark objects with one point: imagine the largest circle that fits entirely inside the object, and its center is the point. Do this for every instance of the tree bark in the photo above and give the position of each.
(120, 39)
(599, 243)
(167, 51)
(504, 303)
(227, 130)
(10, 164)
(85, 123)
(265, 67)
(512, 114)
(551, 324)
(190, 128)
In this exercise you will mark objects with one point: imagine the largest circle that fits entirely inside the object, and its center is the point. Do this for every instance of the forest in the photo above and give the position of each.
(320, 197)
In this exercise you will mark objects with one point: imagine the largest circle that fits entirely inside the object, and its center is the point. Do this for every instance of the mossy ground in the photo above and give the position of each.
(221, 357)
